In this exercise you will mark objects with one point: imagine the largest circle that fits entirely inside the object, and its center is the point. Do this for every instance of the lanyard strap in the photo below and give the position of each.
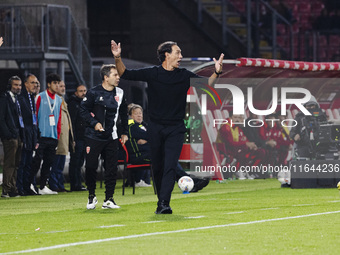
(29, 97)
(49, 103)
(17, 102)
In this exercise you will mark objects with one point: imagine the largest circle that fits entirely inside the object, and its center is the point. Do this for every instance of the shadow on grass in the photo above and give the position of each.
(167, 217)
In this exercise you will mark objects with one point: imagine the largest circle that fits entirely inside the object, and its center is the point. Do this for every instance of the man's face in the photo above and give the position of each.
(53, 86)
(113, 78)
(38, 87)
(137, 115)
(174, 58)
(31, 84)
(237, 119)
(16, 87)
(61, 89)
(81, 91)
(311, 108)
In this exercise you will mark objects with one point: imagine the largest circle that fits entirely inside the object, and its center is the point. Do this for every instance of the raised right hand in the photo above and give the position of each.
(115, 49)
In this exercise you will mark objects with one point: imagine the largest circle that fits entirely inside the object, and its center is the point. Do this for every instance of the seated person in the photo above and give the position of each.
(238, 146)
(268, 133)
(285, 142)
(139, 149)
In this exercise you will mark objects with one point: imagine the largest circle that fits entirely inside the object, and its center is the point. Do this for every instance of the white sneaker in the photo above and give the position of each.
(142, 184)
(110, 204)
(241, 175)
(250, 176)
(33, 189)
(91, 203)
(47, 191)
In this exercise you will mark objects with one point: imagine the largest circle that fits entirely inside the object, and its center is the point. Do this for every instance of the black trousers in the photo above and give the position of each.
(24, 170)
(76, 163)
(166, 143)
(109, 152)
(45, 152)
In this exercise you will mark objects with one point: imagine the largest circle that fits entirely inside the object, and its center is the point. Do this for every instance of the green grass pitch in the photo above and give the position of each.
(237, 217)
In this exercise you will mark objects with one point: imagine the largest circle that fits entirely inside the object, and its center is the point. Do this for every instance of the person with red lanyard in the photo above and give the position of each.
(48, 107)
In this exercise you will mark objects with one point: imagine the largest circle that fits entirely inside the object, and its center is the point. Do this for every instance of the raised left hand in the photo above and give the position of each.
(219, 63)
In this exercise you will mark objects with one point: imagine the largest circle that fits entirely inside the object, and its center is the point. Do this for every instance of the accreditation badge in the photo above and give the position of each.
(52, 120)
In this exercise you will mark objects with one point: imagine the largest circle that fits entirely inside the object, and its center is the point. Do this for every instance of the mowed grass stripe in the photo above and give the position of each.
(167, 232)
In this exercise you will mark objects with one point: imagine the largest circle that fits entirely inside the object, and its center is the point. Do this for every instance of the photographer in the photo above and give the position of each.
(305, 133)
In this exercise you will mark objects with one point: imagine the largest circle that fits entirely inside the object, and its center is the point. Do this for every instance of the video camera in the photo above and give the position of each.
(323, 137)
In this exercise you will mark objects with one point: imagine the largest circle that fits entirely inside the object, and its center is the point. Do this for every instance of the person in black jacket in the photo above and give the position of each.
(11, 135)
(167, 92)
(304, 133)
(78, 125)
(140, 151)
(27, 102)
(100, 108)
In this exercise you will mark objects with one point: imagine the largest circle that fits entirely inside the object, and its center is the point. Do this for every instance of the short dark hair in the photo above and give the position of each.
(81, 85)
(52, 77)
(28, 76)
(106, 69)
(13, 78)
(164, 47)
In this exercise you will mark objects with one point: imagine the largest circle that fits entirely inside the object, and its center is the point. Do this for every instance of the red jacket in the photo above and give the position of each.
(233, 143)
(275, 133)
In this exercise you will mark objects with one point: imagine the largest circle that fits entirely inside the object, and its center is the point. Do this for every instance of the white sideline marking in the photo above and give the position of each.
(234, 212)
(57, 231)
(194, 217)
(154, 221)
(336, 201)
(165, 232)
(273, 208)
(112, 226)
(304, 205)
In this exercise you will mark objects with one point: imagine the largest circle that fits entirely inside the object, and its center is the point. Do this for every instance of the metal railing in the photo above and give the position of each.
(47, 29)
(276, 18)
(252, 16)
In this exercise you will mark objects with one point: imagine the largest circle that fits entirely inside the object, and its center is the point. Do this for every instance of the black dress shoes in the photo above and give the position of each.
(163, 208)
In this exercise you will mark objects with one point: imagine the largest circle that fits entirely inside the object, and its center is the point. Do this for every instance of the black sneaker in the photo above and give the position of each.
(199, 184)
(14, 194)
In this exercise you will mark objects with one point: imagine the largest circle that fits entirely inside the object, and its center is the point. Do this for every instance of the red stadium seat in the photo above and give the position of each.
(281, 29)
(240, 6)
(317, 7)
(322, 54)
(128, 166)
(282, 41)
(295, 28)
(334, 40)
(304, 7)
(322, 41)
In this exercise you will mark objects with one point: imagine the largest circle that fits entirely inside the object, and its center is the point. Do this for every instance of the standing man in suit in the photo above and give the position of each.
(28, 110)
(11, 131)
